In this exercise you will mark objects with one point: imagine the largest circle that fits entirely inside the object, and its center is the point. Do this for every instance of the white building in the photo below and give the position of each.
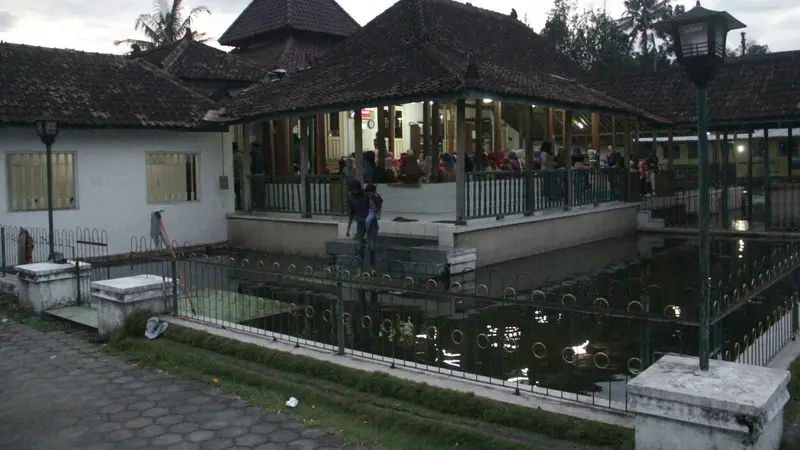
(132, 141)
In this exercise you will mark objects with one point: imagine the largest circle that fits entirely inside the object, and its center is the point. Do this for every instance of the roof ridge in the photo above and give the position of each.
(170, 60)
(159, 72)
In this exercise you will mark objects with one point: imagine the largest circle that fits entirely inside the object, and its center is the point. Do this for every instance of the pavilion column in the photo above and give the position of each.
(305, 189)
(670, 150)
(498, 126)
(724, 180)
(551, 126)
(247, 178)
(320, 144)
(479, 150)
(530, 191)
(461, 156)
(767, 189)
(750, 175)
(358, 136)
(436, 149)
(272, 147)
(613, 132)
(566, 148)
(381, 138)
(637, 138)
(451, 127)
(789, 144)
(282, 151)
(426, 130)
(596, 131)
(390, 130)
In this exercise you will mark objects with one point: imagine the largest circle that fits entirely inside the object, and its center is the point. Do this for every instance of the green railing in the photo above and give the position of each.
(497, 194)
(324, 194)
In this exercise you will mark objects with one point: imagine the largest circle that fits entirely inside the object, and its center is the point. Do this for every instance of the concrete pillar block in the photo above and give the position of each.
(116, 299)
(731, 406)
(44, 286)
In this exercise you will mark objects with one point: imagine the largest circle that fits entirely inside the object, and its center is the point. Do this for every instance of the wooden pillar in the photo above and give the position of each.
(436, 149)
(551, 126)
(767, 187)
(670, 150)
(628, 139)
(283, 149)
(273, 147)
(613, 133)
(247, 180)
(461, 157)
(596, 131)
(380, 145)
(426, 130)
(789, 144)
(547, 120)
(566, 138)
(530, 190)
(305, 194)
(451, 127)
(358, 137)
(498, 130)
(390, 131)
(479, 150)
(320, 145)
(636, 139)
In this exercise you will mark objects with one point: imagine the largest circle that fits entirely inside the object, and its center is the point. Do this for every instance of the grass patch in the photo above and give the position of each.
(393, 412)
(11, 309)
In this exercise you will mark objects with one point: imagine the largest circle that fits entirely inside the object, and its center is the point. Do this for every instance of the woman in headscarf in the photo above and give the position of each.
(426, 169)
(449, 166)
(513, 162)
(349, 171)
(391, 170)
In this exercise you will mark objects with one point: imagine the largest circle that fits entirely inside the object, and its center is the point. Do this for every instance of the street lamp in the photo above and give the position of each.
(47, 129)
(699, 37)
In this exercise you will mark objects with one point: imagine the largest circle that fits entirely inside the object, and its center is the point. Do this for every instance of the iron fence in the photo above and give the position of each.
(501, 193)
(325, 194)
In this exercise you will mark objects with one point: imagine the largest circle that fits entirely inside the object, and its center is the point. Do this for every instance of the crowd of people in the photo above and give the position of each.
(410, 168)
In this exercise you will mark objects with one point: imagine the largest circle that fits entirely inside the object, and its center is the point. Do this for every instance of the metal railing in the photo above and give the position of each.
(325, 194)
(579, 339)
(498, 194)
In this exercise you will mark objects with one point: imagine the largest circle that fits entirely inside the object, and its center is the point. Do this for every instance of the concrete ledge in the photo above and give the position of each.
(116, 299)
(509, 239)
(580, 408)
(730, 406)
(303, 237)
(44, 286)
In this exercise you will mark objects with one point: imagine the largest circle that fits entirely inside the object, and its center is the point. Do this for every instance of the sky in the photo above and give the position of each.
(94, 25)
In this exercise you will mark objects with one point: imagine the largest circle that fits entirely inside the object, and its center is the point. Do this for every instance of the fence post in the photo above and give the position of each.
(795, 317)
(340, 319)
(174, 264)
(305, 206)
(3, 248)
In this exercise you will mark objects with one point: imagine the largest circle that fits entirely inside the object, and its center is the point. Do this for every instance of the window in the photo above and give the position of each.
(333, 125)
(171, 177)
(27, 181)
(783, 147)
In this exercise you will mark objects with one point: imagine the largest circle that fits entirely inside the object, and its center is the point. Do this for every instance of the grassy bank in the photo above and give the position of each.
(373, 409)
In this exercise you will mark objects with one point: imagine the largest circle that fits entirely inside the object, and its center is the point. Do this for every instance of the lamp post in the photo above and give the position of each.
(699, 37)
(47, 129)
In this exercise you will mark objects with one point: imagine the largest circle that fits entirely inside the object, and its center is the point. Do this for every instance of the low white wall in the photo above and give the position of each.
(283, 235)
(111, 184)
(511, 239)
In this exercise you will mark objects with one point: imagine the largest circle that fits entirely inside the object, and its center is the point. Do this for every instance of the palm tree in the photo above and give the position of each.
(639, 18)
(165, 24)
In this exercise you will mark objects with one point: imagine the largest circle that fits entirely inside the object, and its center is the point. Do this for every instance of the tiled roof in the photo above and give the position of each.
(263, 16)
(752, 88)
(192, 60)
(421, 49)
(93, 89)
(289, 53)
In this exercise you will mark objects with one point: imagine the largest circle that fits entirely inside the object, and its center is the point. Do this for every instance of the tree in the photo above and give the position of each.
(165, 24)
(591, 39)
(638, 21)
(747, 47)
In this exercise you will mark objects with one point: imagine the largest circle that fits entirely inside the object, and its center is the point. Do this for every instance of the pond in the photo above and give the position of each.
(550, 345)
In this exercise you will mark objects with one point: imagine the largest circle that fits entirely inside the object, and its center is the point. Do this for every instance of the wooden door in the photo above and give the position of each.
(333, 126)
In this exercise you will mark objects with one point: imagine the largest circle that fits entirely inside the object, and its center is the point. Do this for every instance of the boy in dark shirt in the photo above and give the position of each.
(360, 204)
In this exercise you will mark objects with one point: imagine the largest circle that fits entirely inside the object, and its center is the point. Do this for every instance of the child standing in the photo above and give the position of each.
(375, 207)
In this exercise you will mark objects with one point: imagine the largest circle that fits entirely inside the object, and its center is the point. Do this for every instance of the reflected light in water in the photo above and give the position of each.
(520, 379)
(580, 349)
(510, 337)
(741, 248)
(740, 225)
(676, 310)
(540, 316)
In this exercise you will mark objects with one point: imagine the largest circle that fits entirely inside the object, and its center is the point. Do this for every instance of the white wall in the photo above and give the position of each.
(111, 184)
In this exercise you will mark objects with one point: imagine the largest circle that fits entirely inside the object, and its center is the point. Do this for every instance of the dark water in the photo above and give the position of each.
(552, 344)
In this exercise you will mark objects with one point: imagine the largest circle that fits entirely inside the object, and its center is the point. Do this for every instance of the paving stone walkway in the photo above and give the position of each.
(58, 391)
